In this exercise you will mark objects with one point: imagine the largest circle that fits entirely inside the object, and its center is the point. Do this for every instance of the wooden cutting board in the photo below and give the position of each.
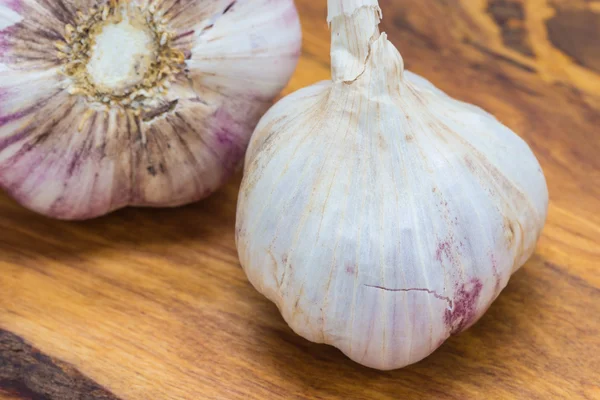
(152, 304)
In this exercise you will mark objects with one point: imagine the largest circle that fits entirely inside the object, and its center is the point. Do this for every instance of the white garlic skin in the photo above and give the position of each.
(382, 216)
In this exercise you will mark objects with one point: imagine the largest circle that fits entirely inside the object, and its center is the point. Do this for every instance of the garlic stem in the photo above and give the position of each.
(354, 28)
(347, 7)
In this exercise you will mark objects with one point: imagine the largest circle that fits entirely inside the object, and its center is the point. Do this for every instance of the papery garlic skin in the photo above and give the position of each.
(380, 215)
(76, 143)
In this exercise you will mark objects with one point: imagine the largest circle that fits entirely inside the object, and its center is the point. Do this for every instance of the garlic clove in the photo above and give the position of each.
(82, 135)
(380, 215)
(242, 63)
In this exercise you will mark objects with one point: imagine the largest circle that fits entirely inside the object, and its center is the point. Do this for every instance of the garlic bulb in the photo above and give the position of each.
(105, 104)
(380, 215)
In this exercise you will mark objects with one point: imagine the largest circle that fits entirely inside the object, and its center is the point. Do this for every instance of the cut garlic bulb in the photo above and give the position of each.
(380, 215)
(105, 104)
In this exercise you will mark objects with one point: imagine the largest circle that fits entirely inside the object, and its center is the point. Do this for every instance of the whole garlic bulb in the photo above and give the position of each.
(109, 103)
(380, 215)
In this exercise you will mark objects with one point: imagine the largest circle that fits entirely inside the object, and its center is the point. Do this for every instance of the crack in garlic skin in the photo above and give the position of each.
(431, 292)
(71, 151)
(379, 214)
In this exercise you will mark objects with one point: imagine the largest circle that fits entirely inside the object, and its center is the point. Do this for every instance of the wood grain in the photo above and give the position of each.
(25, 372)
(152, 304)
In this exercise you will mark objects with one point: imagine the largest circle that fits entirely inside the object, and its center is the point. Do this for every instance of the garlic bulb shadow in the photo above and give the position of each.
(156, 233)
(105, 104)
(380, 215)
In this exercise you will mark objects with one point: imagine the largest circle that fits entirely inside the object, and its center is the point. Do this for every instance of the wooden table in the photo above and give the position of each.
(152, 304)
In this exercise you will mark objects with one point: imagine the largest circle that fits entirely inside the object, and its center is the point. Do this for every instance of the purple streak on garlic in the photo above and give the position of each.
(380, 215)
(105, 104)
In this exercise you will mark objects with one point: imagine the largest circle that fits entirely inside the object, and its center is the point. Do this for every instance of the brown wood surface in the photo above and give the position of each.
(152, 304)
